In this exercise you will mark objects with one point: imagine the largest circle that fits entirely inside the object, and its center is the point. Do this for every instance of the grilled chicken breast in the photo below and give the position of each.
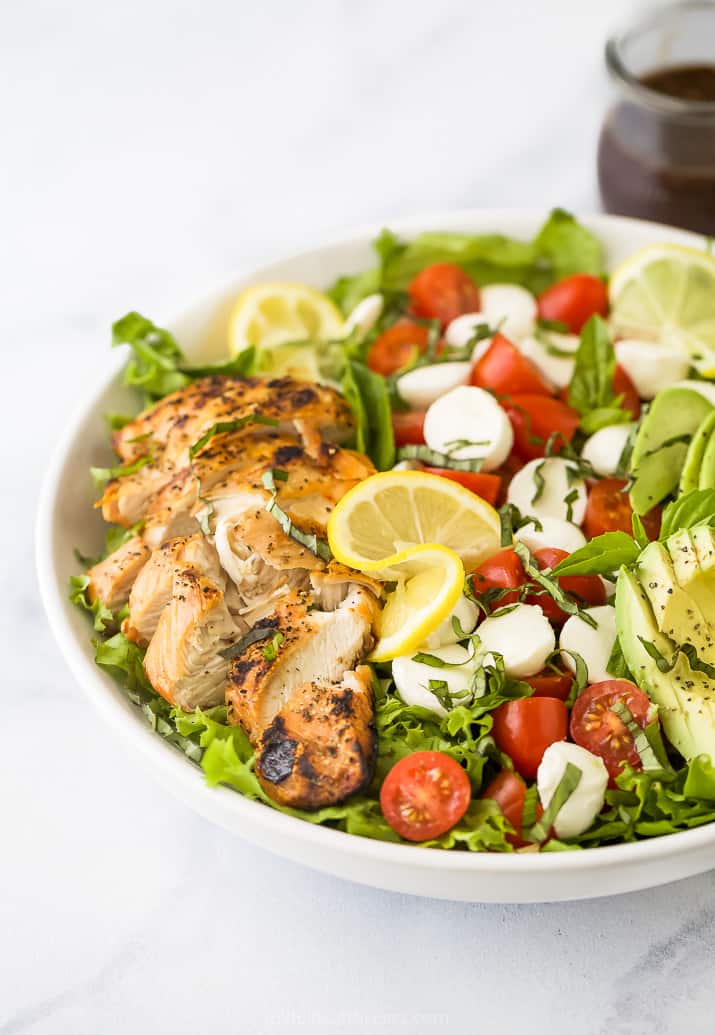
(111, 580)
(269, 692)
(215, 558)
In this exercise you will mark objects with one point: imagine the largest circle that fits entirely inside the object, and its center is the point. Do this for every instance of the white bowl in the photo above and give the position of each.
(66, 520)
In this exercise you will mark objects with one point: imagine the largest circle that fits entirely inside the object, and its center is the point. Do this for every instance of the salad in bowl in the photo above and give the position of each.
(429, 556)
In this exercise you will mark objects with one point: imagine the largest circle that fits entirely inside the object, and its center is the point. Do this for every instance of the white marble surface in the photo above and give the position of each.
(146, 147)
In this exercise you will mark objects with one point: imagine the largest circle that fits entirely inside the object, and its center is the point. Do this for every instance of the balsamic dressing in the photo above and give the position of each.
(659, 164)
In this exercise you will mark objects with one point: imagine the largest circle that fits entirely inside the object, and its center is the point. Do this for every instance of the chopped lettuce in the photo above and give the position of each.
(158, 366)
(561, 247)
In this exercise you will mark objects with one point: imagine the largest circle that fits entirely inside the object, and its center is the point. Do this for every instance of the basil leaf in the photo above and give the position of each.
(591, 390)
(552, 587)
(433, 459)
(601, 556)
(102, 475)
(616, 664)
(564, 789)
(254, 635)
(366, 392)
(225, 426)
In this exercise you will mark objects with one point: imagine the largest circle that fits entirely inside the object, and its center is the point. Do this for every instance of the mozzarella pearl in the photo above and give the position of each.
(651, 367)
(551, 502)
(412, 678)
(604, 448)
(523, 636)
(510, 308)
(593, 644)
(466, 612)
(582, 807)
(461, 330)
(556, 369)
(470, 414)
(554, 532)
(365, 315)
(424, 385)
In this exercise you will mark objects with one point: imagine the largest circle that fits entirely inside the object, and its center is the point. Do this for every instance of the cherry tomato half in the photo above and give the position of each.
(408, 427)
(442, 292)
(574, 300)
(596, 727)
(487, 486)
(508, 790)
(534, 419)
(503, 370)
(588, 590)
(551, 684)
(424, 795)
(609, 510)
(525, 728)
(503, 570)
(394, 347)
(622, 385)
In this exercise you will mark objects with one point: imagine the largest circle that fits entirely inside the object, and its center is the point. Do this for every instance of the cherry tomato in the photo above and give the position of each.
(609, 510)
(588, 590)
(574, 300)
(596, 727)
(622, 385)
(509, 790)
(425, 794)
(551, 684)
(503, 370)
(442, 292)
(525, 728)
(487, 486)
(393, 348)
(534, 419)
(503, 570)
(409, 427)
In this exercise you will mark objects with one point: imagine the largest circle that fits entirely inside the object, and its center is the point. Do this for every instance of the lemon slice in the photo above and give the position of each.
(393, 511)
(271, 315)
(429, 581)
(666, 292)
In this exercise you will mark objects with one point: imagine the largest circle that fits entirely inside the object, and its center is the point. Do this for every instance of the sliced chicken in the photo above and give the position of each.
(154, 586)
(111, 580)
(309, 663)
(320, 747)
(182, 661)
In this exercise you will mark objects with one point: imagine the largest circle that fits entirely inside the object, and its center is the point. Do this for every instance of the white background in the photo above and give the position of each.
(146, 147)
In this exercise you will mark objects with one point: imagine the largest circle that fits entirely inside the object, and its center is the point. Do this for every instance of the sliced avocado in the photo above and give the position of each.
(702, 585)
(685, 699)
(706, 474)
(684, 557)
(694, 457)
(661, 445)
(675, 612)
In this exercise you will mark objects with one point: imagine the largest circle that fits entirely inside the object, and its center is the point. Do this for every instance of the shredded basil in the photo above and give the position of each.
(254, 635)
(223, 427)
(102, 475)
(564, 789)
(434, 459)
(563, 599)
(642, 745)
(270, 651)
(309, 540)
(539, 482)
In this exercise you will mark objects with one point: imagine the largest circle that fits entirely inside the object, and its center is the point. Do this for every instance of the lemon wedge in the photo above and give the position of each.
(274, 317)
(396, 510)
(666, 292)
(429, 581)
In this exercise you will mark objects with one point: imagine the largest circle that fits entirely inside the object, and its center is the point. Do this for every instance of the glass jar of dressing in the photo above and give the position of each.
(656, 153)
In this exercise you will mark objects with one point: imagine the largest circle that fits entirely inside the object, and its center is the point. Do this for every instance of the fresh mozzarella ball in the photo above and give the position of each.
(704, 388)
(551, 502)
(582, 807)
(522, 635)
(461, 330)
(412, 678)
(407, 465)
(365, 315)
(466, 612)
(563, 535)
(651, 367)
(594, 645)
(604, 448)
(473, 415)
(557, 369)
(510, 308)
(423, 385)
(609, 586)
